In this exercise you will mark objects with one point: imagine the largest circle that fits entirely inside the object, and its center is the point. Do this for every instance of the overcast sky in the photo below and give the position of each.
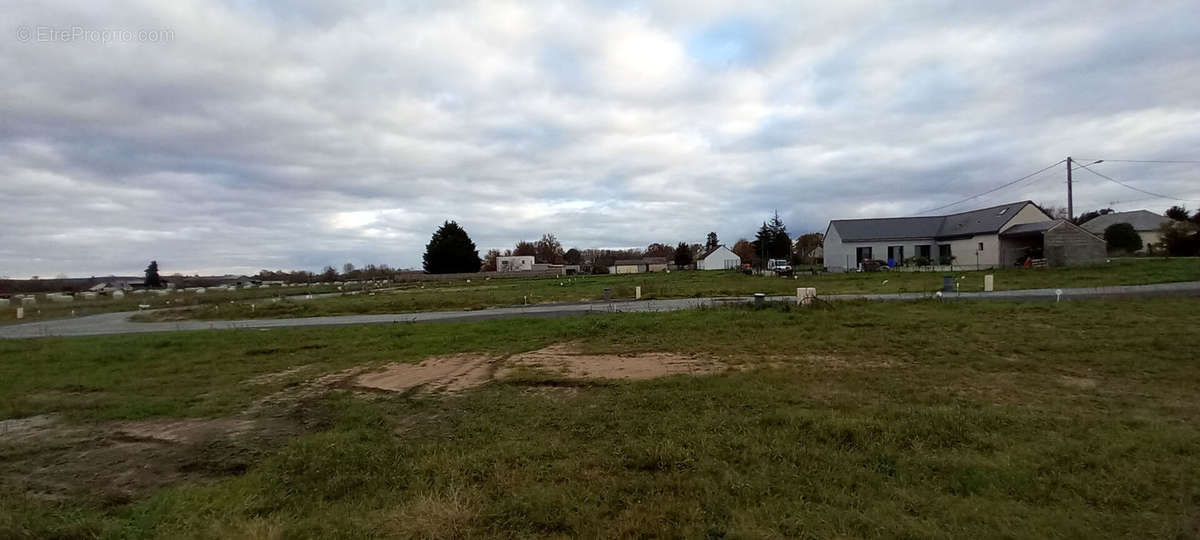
(233, 136)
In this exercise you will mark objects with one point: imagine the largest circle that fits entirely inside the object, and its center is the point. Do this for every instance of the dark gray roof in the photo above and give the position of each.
(853, 230)
(1026, 228)
(985, 220)
(1142, 220)
(706, 253)
(655, 260)
(629, 262)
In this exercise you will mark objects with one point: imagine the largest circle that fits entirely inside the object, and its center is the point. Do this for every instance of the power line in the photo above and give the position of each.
(993, 190)
(1149, 160)
(1144, 199)
(1114, 180)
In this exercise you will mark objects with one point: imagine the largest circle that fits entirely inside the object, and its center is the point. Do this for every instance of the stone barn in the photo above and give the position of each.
(1059, 242)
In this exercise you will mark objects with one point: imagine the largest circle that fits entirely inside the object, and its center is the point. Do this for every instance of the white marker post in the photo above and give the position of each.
(20, 313)
(637, 293)
(989, 283)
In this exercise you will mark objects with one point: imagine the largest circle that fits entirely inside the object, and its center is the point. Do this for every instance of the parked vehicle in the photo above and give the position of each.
(781, 267)
(875, 266)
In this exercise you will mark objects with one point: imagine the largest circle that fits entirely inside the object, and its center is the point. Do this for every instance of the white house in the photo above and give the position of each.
(514, 263)
(718, 258)
(1145, 222)
(968, 239)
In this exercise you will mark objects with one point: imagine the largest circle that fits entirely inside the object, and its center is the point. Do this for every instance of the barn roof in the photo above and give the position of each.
(1142, 220)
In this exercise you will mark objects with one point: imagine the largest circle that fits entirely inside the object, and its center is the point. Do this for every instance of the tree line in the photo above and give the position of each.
(451, 250)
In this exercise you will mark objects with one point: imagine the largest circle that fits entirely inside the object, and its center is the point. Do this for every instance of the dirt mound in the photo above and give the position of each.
(459, 372)
(451, 373)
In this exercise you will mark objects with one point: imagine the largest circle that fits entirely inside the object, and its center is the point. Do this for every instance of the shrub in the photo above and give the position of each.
(1121, 237)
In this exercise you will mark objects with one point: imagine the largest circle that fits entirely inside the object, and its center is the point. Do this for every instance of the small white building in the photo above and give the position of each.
(718, 258)
(514, 263)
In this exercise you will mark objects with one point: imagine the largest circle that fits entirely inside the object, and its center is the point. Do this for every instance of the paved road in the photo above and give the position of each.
(119, 323)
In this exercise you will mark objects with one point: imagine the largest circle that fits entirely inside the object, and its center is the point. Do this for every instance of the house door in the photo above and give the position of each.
(944, 255)
(862, 254)
(895, 255)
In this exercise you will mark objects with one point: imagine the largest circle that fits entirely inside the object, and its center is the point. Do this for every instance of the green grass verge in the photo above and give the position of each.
(479, 294)
(46, 309)
(866, 420)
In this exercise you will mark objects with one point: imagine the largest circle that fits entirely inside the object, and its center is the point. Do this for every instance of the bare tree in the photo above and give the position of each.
(744, 249)
(1054, 211)
(489, 260)
(549, 250)
(660, 250)
(524, 249)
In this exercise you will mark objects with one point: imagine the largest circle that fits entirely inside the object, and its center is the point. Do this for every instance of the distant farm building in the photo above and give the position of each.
(514, 263)
(1059, 242)
(637, 266)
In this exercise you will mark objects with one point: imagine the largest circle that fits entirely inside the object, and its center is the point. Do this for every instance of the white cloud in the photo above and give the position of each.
(327, 132)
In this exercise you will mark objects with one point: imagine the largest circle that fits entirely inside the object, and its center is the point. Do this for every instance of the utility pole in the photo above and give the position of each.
(1070, 197)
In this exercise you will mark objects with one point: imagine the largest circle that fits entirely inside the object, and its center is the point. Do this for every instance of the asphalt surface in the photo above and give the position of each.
(119, 323)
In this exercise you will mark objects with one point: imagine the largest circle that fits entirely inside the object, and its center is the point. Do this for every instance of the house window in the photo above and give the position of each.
(895, 255)
(944, 255)
(863, 253)
(980, 247)
(925, 251)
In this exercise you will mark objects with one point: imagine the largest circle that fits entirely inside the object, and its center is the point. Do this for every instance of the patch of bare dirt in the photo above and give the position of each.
(111, 463)
(451, 373)
(185, 431)
(458, 372)
(565, 359)
(20, 428)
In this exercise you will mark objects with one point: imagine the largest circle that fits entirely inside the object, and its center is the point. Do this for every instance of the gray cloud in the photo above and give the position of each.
(259, 137)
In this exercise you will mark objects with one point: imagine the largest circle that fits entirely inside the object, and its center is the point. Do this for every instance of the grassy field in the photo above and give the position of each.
(480, 294)
(918, 419)
(131, 302)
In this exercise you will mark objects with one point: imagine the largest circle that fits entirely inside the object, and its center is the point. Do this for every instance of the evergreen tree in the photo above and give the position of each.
(451, 251)
(683, 255)
(772, 240)
(711, 242)
(152, 277)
